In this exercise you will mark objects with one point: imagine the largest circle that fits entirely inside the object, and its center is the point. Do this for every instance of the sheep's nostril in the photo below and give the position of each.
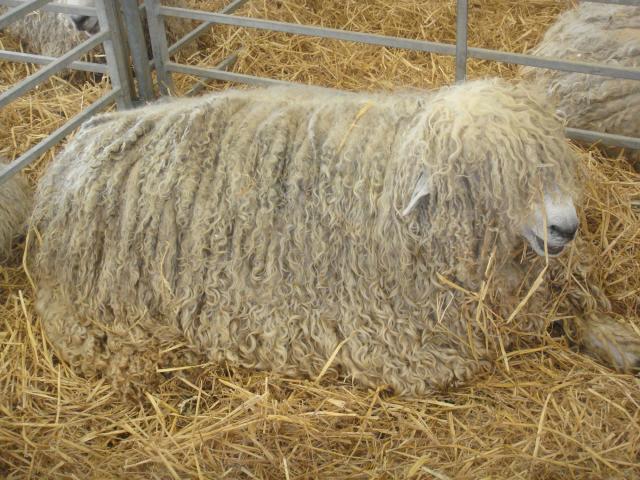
(568, 233)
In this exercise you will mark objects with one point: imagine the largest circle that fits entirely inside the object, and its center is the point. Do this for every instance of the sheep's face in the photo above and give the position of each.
(556, 219)
(84, 23)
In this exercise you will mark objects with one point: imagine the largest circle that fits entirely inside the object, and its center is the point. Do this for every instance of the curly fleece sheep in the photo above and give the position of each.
(54, 34)
(596, 33)
(15, 208)
(287, 229)
(46, 33)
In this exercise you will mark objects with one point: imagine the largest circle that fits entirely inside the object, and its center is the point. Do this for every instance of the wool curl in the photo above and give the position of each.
(15, 208)
(264, 228)
(594, 33)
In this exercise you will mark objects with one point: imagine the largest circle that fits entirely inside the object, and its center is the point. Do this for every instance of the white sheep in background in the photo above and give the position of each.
(47, 33)
(595, 33)
(15, 207)
(54, 34)
(285, 229)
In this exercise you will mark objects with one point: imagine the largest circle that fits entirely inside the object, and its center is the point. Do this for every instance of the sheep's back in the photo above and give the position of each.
(232, 218)
(607, 34)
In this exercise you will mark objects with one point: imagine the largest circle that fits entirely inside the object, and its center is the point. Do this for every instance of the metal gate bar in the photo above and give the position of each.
(37, 150)
(224, 65)
(20, 11)
(462, 14)
(200, 29)
(51, 69)
(55, 7)
(138, 49)
(158, 36)
(404, 43)
(460, 50)
(44, 60)
(110, 36)
(162, 50)
(612, 139)
(115, 52)
(220, 74)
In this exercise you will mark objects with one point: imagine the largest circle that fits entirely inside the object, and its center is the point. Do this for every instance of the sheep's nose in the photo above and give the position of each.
(79, 21)
(567, 232)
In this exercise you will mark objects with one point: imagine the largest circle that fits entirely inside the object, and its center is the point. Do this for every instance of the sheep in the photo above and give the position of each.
(308, 232)
(15, 208)
(596, 33)
(54, 34)
(176, 28)
(47, 33)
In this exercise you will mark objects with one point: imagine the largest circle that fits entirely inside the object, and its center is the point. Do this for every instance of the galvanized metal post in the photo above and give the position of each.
(117, 60)
(158, 35)
(138, 49)
(461, 40)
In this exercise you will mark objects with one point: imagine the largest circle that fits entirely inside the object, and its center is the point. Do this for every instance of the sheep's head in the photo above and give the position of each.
(84, 23)
(553, 220)
(494, 163)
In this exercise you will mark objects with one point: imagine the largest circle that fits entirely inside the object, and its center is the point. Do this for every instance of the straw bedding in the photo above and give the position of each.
(15, 209)
(540, 412)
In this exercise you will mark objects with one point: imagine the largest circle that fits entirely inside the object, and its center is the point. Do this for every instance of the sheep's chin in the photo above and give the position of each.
(537, 244)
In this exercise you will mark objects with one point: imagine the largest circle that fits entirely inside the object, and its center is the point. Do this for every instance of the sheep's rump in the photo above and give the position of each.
(264, 227)
(15, 207)
(595, 33)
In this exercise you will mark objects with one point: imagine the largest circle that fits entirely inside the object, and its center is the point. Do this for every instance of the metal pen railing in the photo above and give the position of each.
(164, 67)
(122, 35)
(117, 67)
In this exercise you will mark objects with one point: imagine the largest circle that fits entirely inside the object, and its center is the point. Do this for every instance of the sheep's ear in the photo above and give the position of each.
(421, 190)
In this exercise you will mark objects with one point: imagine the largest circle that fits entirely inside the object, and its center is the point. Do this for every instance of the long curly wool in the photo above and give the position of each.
(264, 228)
(595, 33)
(15, 208)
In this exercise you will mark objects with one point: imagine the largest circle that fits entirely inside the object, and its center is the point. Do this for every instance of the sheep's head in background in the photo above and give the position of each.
(176, 28)
(84, 23)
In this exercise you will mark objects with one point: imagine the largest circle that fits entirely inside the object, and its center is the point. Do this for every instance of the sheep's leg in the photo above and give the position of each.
(615, 344)
(611, 342)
